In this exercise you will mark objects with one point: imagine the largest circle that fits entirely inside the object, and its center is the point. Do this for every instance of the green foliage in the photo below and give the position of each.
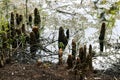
(118, 3)
(3, 22)
(23, 39)
(6, 7)
(103, 1)
(111, 22)
(111, 12)
(3, 33)
(61, 45)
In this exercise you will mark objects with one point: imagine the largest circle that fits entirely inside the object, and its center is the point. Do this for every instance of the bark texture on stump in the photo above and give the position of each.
(70, 61)
(78, 62)
(33, 41)
(35, 29)
(60, 53)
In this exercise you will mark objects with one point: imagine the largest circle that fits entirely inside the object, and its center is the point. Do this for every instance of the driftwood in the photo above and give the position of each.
(65, 12)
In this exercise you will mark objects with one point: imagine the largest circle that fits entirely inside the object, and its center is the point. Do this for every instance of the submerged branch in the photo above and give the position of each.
(65, 12)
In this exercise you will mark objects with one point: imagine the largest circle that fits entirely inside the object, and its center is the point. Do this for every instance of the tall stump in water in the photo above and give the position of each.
(12, 25)
(90, 55)
(81, 55)
(37, 19)
(101, 37)
(73, 49)
(62, 39)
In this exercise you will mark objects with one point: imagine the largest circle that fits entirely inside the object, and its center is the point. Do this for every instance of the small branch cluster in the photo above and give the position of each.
(83, 62)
